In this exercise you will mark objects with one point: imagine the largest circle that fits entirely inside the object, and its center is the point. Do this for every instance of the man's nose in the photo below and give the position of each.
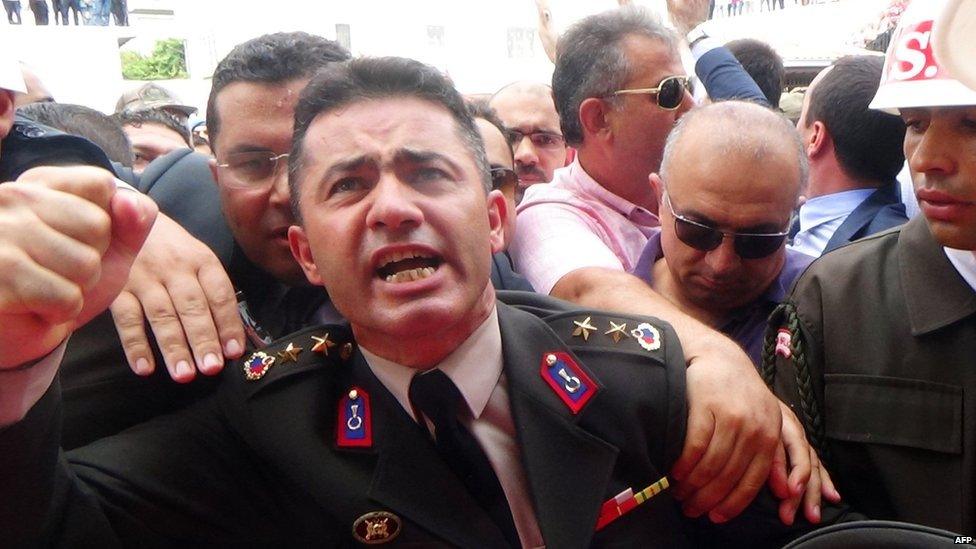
(724, 259)
(525, 153)
(393, 205)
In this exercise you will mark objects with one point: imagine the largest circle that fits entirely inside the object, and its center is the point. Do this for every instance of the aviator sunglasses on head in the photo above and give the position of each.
(704, 238)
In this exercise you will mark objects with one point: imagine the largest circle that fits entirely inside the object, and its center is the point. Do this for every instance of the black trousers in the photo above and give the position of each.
(13, 11)
(39, 7)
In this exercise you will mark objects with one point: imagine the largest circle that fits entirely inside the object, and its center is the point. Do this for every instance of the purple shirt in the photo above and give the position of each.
(747, 324)
(574, 222)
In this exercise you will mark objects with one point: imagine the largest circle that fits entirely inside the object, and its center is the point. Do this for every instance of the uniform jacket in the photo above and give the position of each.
(882, 210)
(259, 463)
(888, 328)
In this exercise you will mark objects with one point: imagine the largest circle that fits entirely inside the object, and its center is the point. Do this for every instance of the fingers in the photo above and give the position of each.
(92, 184)
(745, 489)
(701, 426)
(711, 465)
(130, 324)
(166, 326)
(223, 307)
(28, 288)
(828, 489)
(778, 478)
(193, 309)
(811, 498)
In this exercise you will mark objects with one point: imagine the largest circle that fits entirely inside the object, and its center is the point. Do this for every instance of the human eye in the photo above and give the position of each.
(429, 174)
(543, 139)
(347, 185)
(250, 166)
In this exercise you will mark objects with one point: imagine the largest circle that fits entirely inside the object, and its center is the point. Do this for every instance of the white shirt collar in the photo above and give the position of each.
(474, 367)
(829, 207)
(965, 262)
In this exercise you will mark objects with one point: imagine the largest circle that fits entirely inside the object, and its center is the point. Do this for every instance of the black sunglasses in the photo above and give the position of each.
(669, 93)
(507, 182)
(702, 237)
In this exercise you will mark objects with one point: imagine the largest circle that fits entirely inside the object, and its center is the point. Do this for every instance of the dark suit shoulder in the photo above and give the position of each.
(308, 350)
(852, 257)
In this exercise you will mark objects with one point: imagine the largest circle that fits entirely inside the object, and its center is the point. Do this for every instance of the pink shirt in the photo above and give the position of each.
(574, 222)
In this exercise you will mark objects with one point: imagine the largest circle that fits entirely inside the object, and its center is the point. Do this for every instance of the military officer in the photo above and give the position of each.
(875, 347)
(441, 416)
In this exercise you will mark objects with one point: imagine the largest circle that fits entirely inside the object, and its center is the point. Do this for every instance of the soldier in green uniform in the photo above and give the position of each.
(875, 347)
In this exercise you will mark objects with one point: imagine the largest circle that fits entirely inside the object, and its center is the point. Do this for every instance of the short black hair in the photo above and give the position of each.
(591, 63)
(93, 125)
(155, 115)
(480, 108)
(370, 78)
(270, 59)
(763, 64)
(868, 143)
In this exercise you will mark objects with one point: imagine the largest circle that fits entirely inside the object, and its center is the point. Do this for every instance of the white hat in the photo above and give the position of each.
(912, 76)
(10, 76)
(954, 37)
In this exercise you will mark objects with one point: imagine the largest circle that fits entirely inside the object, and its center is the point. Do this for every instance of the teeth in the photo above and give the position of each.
(400, 256)
(410, 275)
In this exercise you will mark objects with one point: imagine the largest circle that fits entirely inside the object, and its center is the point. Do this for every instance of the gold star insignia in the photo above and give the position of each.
(290, 354)
(583, 328)
(617, 331)
(322, 344)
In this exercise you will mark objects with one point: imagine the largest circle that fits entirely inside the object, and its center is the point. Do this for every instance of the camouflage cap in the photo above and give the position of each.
(149, 96)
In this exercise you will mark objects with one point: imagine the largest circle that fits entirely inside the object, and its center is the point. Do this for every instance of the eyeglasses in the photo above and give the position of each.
(507, 182)
(252, 168)
(542, 140)
(702, 237)
(670, 92)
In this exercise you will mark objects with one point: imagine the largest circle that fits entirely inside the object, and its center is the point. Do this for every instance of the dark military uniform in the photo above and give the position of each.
(270, 460)
(881, 366)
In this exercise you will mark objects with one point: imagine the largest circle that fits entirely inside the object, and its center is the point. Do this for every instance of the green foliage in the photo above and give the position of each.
(167, 61)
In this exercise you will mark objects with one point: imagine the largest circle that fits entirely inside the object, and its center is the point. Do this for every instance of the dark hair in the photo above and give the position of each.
(763, 64)
(591, 63)
(481, 109)
(270, 59)
(153, 116)
(93, 125)
(370, 78)
(868, 143)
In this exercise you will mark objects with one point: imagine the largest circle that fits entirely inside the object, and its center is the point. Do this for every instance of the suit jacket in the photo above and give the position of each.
(881, 211)
(724, 78)
(888, 331)
(260, 463)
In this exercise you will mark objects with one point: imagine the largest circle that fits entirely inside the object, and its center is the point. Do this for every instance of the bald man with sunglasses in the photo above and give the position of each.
(720, 253)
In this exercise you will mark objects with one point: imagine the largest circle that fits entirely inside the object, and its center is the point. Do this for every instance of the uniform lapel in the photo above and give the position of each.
(861, 217)
(568, 468)
(411, 478)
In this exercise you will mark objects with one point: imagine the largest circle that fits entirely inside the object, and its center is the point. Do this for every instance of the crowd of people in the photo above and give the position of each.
(350, 305)
(91, 12)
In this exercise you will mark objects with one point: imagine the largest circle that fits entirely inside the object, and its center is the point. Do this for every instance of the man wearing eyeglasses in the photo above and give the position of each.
(720, 252)
(528, 111)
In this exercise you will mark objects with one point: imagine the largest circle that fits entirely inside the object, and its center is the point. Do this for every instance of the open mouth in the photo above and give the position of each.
(407, 266)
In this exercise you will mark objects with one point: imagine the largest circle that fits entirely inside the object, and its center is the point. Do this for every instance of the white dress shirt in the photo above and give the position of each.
(820, 218)
(965, 262)
(476, 368)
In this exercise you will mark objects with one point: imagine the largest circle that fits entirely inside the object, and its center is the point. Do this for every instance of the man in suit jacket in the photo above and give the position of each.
(855, 154)
(321, 437)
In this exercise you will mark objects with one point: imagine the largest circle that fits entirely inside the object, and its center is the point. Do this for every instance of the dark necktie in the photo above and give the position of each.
(436, 396)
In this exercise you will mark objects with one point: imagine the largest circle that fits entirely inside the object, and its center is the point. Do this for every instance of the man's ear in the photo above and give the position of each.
(593, 117)
(298, 242)
(819, 141)
(497, 216)
(6, 112)
(657, 186)
(213, 169)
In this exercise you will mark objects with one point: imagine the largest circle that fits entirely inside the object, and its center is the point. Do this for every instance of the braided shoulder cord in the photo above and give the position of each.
(810, 415)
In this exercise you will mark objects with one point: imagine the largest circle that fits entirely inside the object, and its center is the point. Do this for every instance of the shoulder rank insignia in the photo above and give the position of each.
(376, 527)
(648, 336)
(354, 423)
(257, 365)
(568, 380)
